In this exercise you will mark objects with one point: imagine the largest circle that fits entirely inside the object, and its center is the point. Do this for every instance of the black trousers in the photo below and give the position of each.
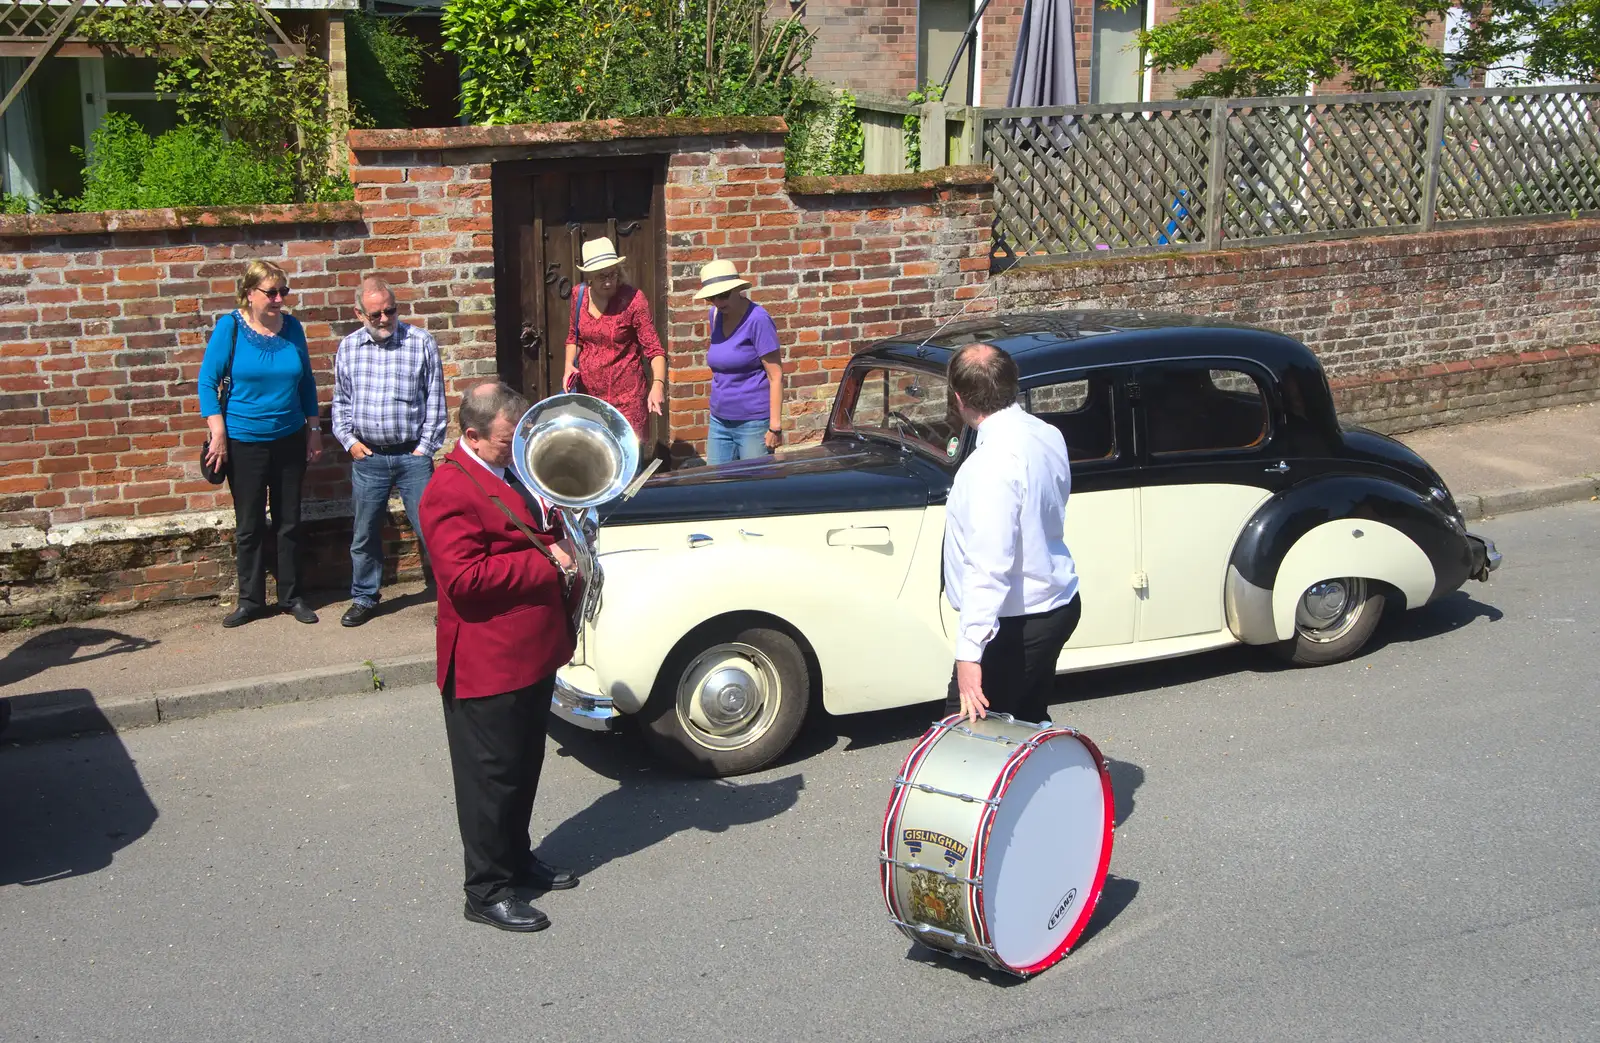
(257, 472)
(496, 753)
(1019, 663)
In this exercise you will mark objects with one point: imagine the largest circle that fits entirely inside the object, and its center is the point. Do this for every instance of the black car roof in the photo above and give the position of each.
(1047, 341)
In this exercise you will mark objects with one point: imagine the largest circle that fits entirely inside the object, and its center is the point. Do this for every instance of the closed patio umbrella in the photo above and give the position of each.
(1044, 71)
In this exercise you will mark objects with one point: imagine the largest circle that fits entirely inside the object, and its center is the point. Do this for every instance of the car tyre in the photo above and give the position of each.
(729, 701)
(1334, 619)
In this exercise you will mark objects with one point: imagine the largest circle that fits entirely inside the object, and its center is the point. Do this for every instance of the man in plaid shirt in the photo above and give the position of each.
(389, 414)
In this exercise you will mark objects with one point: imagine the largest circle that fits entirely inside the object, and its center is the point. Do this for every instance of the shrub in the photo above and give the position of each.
(190, 165)
(555, 60)
(826, 139)
(385, 64)
(913, 123)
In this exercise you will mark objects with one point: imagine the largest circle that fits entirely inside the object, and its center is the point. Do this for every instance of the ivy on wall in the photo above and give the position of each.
(826, 138)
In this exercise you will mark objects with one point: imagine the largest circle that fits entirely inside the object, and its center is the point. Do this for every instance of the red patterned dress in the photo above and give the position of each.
(614, 350)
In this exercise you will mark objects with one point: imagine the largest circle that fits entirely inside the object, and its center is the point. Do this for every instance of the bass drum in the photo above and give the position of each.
(996, 841)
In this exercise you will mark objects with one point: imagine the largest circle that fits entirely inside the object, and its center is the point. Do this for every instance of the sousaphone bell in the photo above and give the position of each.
(579, 453)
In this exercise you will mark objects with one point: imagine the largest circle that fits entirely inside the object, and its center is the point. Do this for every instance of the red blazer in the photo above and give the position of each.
(502, 623)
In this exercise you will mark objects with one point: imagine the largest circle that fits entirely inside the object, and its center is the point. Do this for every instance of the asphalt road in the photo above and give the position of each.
(1398, 847)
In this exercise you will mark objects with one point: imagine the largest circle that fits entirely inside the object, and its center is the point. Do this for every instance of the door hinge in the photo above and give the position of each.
(1141, 581)
(1135, 392)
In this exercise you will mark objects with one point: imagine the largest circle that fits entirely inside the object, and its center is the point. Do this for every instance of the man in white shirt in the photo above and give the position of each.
(1007, 570)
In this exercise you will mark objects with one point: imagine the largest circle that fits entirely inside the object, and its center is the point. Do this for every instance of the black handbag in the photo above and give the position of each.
(216, 476)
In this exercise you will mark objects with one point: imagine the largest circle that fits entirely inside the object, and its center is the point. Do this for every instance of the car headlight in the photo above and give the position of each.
(1447, 503)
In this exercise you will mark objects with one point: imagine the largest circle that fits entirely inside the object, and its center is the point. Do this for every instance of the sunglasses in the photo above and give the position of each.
(387, 313)
(724, 295)
(274, 295)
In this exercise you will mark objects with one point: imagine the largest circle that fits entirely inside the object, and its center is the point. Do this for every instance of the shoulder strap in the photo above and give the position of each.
(507, 511)
(225, 382)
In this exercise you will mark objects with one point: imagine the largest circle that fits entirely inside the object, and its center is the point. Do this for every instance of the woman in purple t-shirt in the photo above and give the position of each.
(746, 376)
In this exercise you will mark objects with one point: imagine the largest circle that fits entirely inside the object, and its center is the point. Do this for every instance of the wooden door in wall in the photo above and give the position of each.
(543, 213)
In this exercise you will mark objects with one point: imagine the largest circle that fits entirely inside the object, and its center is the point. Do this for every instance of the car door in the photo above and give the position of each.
(1089, 410)
(1205, 430)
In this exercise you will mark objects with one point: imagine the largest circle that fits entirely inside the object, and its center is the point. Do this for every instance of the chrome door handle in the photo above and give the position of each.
(698, 539)
(1281, 467)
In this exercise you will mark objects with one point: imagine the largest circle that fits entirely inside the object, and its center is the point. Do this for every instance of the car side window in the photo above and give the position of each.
(1082, 410)
(1199, 409)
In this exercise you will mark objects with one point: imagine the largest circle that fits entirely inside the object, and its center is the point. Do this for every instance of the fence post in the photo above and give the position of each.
(1438, 111)
(932, 132)
(1217, 173)
(966, 151)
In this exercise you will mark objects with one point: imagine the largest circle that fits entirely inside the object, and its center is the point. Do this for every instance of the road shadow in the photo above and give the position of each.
(1447, 615)
(1117, 894)
(650, 803)
(69, 807)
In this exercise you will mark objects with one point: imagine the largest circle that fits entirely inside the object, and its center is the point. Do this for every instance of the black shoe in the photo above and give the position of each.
(547, 877)
(357, 614)
(242, 615)
(509, 914)
(300, 610)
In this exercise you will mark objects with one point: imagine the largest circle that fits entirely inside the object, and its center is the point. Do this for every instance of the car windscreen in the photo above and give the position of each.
(903, 405)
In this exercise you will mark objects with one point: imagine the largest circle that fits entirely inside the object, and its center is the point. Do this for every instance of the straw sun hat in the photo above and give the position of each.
(718, 277)
(598, 255)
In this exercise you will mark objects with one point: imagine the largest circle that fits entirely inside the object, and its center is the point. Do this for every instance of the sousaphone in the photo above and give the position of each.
(579, 453)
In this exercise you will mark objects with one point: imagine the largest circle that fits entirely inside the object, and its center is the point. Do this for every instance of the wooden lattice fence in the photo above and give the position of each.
(1195, 175)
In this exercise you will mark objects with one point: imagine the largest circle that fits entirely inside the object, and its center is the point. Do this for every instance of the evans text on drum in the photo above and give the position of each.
(996, 841)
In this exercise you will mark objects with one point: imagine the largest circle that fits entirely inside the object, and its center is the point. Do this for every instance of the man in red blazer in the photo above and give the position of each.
(503, 568)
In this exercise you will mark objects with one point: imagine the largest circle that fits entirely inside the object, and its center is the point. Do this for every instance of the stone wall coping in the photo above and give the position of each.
(179, 217)
(865, 184)
(427, 139)
(178, 523)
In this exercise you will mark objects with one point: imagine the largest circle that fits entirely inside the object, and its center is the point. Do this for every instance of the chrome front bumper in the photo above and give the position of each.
(585, 709)
(1488, 557)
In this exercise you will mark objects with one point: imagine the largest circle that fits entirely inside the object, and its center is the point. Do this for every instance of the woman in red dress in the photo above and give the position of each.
(610, 337)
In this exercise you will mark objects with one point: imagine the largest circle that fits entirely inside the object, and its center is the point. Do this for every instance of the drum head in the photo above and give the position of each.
(1047, 851)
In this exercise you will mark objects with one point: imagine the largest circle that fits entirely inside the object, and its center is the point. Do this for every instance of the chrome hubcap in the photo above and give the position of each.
(1328, 610)
(728, 696)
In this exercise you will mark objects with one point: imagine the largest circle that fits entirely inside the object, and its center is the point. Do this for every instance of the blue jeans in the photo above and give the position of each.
(736, 440)
(372, 478)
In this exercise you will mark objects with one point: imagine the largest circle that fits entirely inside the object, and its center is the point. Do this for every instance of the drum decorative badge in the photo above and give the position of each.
(996, 841)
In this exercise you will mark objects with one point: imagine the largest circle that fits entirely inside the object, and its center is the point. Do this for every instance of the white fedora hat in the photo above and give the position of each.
(598, 255)
(718, 277)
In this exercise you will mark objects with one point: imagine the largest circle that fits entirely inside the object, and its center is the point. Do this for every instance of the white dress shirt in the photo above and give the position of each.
(1005, 548)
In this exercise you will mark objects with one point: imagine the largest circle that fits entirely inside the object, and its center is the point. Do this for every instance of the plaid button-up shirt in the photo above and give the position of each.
(389, 392)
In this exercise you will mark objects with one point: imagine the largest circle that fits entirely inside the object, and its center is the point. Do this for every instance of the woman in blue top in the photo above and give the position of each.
(266, 435)
(746, 376)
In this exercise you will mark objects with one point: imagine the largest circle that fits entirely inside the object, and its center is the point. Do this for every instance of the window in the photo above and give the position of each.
(1116, 64)
(1196, 409)
(1082, 410)
(902, 404)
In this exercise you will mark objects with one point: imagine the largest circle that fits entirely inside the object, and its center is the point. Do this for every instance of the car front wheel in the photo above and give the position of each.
(729, 701)
(1332, 621)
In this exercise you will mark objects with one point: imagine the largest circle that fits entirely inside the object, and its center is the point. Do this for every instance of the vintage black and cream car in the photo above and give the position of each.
(1216, 499)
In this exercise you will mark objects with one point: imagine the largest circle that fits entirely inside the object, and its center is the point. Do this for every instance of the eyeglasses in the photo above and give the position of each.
(274, 295)
(387, 313)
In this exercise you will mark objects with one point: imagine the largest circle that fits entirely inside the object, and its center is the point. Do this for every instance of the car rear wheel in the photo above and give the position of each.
(1333, 619)
(728, 701)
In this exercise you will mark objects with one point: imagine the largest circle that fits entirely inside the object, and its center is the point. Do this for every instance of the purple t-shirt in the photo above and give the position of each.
(739, 385)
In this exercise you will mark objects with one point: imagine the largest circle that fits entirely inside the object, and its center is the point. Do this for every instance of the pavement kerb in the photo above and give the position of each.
(75, 716)
(1486, 505)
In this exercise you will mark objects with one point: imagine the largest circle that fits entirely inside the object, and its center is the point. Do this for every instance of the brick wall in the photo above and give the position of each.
(103, 320)
(1413, 330)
